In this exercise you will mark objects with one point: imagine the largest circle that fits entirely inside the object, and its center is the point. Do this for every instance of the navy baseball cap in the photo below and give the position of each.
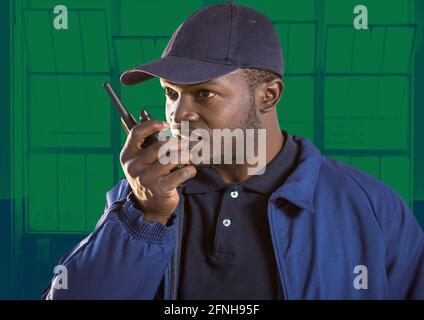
(212, 42)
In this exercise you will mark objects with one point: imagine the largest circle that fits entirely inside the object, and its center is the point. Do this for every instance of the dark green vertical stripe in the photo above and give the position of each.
(419, 103)
(5, 172)
(5, 99)
(418, 174)
(319, 81)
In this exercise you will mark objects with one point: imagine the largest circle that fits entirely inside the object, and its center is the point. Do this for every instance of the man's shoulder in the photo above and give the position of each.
(340, 171)
(335, 178)
(344, 179)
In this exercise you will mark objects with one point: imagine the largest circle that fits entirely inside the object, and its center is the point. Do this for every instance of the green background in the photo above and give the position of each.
(357, 94)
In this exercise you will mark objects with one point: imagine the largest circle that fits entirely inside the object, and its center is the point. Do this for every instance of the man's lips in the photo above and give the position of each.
(189, 140)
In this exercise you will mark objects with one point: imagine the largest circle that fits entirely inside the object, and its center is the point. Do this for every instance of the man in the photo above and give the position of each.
(307, 228)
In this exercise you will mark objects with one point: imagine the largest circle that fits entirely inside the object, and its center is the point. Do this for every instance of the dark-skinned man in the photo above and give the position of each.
(306, 228)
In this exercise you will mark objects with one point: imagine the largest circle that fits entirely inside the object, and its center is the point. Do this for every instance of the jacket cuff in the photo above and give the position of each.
(152, 232)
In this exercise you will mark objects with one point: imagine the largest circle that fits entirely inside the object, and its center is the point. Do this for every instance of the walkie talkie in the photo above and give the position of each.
(144, 116)
(127, 117)
(129, 120)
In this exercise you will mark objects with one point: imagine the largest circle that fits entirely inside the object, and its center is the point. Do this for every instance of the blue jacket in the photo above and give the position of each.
(337, 234)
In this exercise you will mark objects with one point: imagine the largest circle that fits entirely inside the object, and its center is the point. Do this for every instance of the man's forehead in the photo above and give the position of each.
(220, 81)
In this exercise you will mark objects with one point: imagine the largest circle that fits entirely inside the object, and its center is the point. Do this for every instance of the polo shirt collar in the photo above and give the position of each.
(299, 187)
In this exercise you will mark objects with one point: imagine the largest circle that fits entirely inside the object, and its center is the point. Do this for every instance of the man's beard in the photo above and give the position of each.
(250, 121)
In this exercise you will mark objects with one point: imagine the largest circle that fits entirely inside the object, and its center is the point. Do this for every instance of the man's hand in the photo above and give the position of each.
(154, 186)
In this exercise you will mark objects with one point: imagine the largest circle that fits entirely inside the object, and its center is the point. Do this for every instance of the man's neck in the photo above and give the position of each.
(236, 173)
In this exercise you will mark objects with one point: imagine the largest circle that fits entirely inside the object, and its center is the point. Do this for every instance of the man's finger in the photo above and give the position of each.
(152, 153)
(177, 177)
(140, 132)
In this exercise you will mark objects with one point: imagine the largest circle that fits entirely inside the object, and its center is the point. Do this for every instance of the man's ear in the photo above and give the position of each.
(269, 94)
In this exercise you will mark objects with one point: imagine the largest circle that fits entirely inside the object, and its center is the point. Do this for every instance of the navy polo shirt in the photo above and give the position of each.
(227, 252)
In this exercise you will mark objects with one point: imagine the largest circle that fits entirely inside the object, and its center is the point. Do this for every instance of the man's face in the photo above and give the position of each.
(222, 103)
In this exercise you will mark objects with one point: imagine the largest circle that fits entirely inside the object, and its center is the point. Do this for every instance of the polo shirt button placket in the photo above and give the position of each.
(226, 223)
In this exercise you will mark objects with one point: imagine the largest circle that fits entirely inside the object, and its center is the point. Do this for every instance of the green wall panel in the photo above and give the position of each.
(369, 165)
(42, 180)
(298, 41)
(368, 50)
(358, 112)
(94, 41)
(395, 171)
(99, 175)
(77, 185)
(351, 92)
(72, 193)
(366, 113)
(380, 49)
(67, 46)
(133, 51)
(40, 47)
(44, 103)
(339, 49)
(283, 10)
(160, 17)
(397, 51)
(380, 11)
(69, 111)
(296, 107)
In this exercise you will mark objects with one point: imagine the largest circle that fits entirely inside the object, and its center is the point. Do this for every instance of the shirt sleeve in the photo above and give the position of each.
(404, 249)
(125, 257)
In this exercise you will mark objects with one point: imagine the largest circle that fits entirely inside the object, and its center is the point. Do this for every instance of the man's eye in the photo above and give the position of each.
(206, 94)
(170, 93)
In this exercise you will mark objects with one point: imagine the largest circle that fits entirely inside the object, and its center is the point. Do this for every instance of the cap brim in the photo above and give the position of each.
(176, 69)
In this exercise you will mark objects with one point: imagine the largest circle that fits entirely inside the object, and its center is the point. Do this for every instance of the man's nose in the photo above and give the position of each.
(183, 110)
